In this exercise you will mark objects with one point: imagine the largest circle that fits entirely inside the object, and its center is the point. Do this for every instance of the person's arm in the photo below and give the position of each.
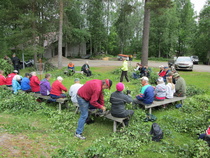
(63, 87)
(36, 80)
(96, 98)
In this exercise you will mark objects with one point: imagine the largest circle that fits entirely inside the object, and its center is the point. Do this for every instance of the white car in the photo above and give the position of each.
(183, 63)
(195, 59)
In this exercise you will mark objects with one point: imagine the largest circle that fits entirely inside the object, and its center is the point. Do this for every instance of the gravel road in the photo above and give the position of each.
(99, 63)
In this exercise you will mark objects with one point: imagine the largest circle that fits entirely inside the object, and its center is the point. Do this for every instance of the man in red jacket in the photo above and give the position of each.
(34, 83)
(57, 88)
(2, 78)
(10, 77)
(90, 94)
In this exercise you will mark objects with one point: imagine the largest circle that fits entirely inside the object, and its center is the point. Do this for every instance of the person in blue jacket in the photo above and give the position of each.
(16, 83)
(146, 96)
(25, 83)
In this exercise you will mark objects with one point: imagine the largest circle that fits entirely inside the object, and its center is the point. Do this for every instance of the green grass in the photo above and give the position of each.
(50, 133)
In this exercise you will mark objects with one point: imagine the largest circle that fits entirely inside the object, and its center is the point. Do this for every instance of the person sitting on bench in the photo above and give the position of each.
(73, 91)
(180, 86)
(25, 83)
(10, 77)
(34, 83)
(16, 83)
(118, 100)
(45, 85)
(57, 88)
(160, 90)
(146, 96)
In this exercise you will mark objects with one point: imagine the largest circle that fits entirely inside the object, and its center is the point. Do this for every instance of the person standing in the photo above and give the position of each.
(16, 62)
(73, 91)
(90, 94)
(45, 85)
(180, 86)
(2, 78)
(118, 100)
(34, 83)
(57, 89)
(25, 83)
(124, 70)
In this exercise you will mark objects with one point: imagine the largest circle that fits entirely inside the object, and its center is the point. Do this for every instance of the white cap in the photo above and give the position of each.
(160, 80)
(144, 78)
(161, 66)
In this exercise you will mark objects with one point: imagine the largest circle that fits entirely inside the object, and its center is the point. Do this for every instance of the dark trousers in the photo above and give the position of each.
(124, 73)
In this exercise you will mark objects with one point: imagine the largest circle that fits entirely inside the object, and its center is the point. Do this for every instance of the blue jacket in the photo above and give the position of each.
(25, 84)
(15, 86)
(147, 97)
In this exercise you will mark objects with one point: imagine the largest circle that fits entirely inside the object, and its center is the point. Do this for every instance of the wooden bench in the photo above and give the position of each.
(166, 101)
(60, 100)
(115, 120)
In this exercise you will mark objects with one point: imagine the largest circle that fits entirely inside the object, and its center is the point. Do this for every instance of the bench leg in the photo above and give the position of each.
(150, 110)
(59, 108)
(114, 126)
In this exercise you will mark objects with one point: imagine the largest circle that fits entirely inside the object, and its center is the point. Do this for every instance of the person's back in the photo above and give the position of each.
(160, 89)
(10, 77)
(16, 83)
(2, 78)
(34, 82)
(25, 84)
(45, 85)
(180, 87)
(74, 89)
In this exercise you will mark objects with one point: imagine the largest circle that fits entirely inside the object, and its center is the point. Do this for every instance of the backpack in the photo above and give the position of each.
(156, 132)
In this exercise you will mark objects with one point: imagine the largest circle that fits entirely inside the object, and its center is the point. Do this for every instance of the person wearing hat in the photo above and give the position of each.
(2, 78)
(146, 96)
(10, 77)
(180, 86)
(16, 83)
(118, 100)
(160, 90)
(45, 85)
(90, 94)
(73, 91)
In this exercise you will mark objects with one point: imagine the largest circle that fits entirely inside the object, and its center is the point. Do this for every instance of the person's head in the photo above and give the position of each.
(169, 79)
(170, 73)
(76, 80)
(120, 86)
(144, 80)
(165, 68)
(86, 62)
(137, 64)
(176, 76)
(160, 80)
(70, 63)
(17, 77)
(27, 75)
(1, 72)
(47, 76)
(59, 78)
(15, 71)
(14, 55)
(161, 67)
(106, 84)
(33, 73)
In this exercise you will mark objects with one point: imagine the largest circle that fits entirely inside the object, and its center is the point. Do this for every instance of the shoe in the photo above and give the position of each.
(79, 136)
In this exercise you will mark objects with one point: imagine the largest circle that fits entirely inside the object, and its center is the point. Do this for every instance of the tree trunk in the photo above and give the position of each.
(60, 36)
(145, 40)
(34, 35)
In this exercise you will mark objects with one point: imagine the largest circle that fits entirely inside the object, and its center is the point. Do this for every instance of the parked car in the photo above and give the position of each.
(183, 63)
(195, 59)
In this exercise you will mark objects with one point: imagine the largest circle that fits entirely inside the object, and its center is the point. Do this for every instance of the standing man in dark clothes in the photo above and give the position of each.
(16, 62)
(90, 94)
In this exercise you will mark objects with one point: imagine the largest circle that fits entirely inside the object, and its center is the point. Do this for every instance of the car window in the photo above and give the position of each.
(183, 59)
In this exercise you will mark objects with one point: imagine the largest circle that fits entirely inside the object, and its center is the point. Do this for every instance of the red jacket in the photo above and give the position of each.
(34, 83)
(162, 73)
(92, 91)
(9, 78)
(2, 80)
(57, 88)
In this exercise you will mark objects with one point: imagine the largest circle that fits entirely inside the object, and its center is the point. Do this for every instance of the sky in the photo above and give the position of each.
(198, 5)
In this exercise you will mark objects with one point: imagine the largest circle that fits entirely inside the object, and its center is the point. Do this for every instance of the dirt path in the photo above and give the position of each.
(105, 63)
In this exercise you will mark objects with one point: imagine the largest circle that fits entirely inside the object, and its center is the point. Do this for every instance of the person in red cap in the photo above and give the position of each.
(2, 78)
(10, 77)
(90, 95)
(118, 100)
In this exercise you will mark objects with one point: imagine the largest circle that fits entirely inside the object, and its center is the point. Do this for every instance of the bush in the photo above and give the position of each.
(6, 67)
(193, 90)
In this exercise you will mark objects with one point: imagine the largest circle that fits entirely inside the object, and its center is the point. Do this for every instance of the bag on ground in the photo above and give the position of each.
(156, 132)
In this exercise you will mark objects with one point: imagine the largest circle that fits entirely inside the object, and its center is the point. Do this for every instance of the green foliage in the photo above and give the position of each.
(6, 67)
(193, 90)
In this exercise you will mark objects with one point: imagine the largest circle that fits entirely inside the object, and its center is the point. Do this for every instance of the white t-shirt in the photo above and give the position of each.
(73, 91)
(170, 90)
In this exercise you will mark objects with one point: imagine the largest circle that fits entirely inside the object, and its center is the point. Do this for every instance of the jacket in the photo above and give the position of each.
(9, 78)
(118, 101)
(57, 88)
(34, 83)
(25, 84)
(180, 86)
(15, 86)
(2, 80)
(160, 91)
(147, 97)
(92, 92)
(125, 66)
(45, 87)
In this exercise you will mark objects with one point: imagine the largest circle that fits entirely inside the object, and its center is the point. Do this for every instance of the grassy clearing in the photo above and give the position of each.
(45, 133)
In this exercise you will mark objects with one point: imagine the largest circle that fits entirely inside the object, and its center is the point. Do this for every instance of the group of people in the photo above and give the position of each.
(141, 71)
(85, 68)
